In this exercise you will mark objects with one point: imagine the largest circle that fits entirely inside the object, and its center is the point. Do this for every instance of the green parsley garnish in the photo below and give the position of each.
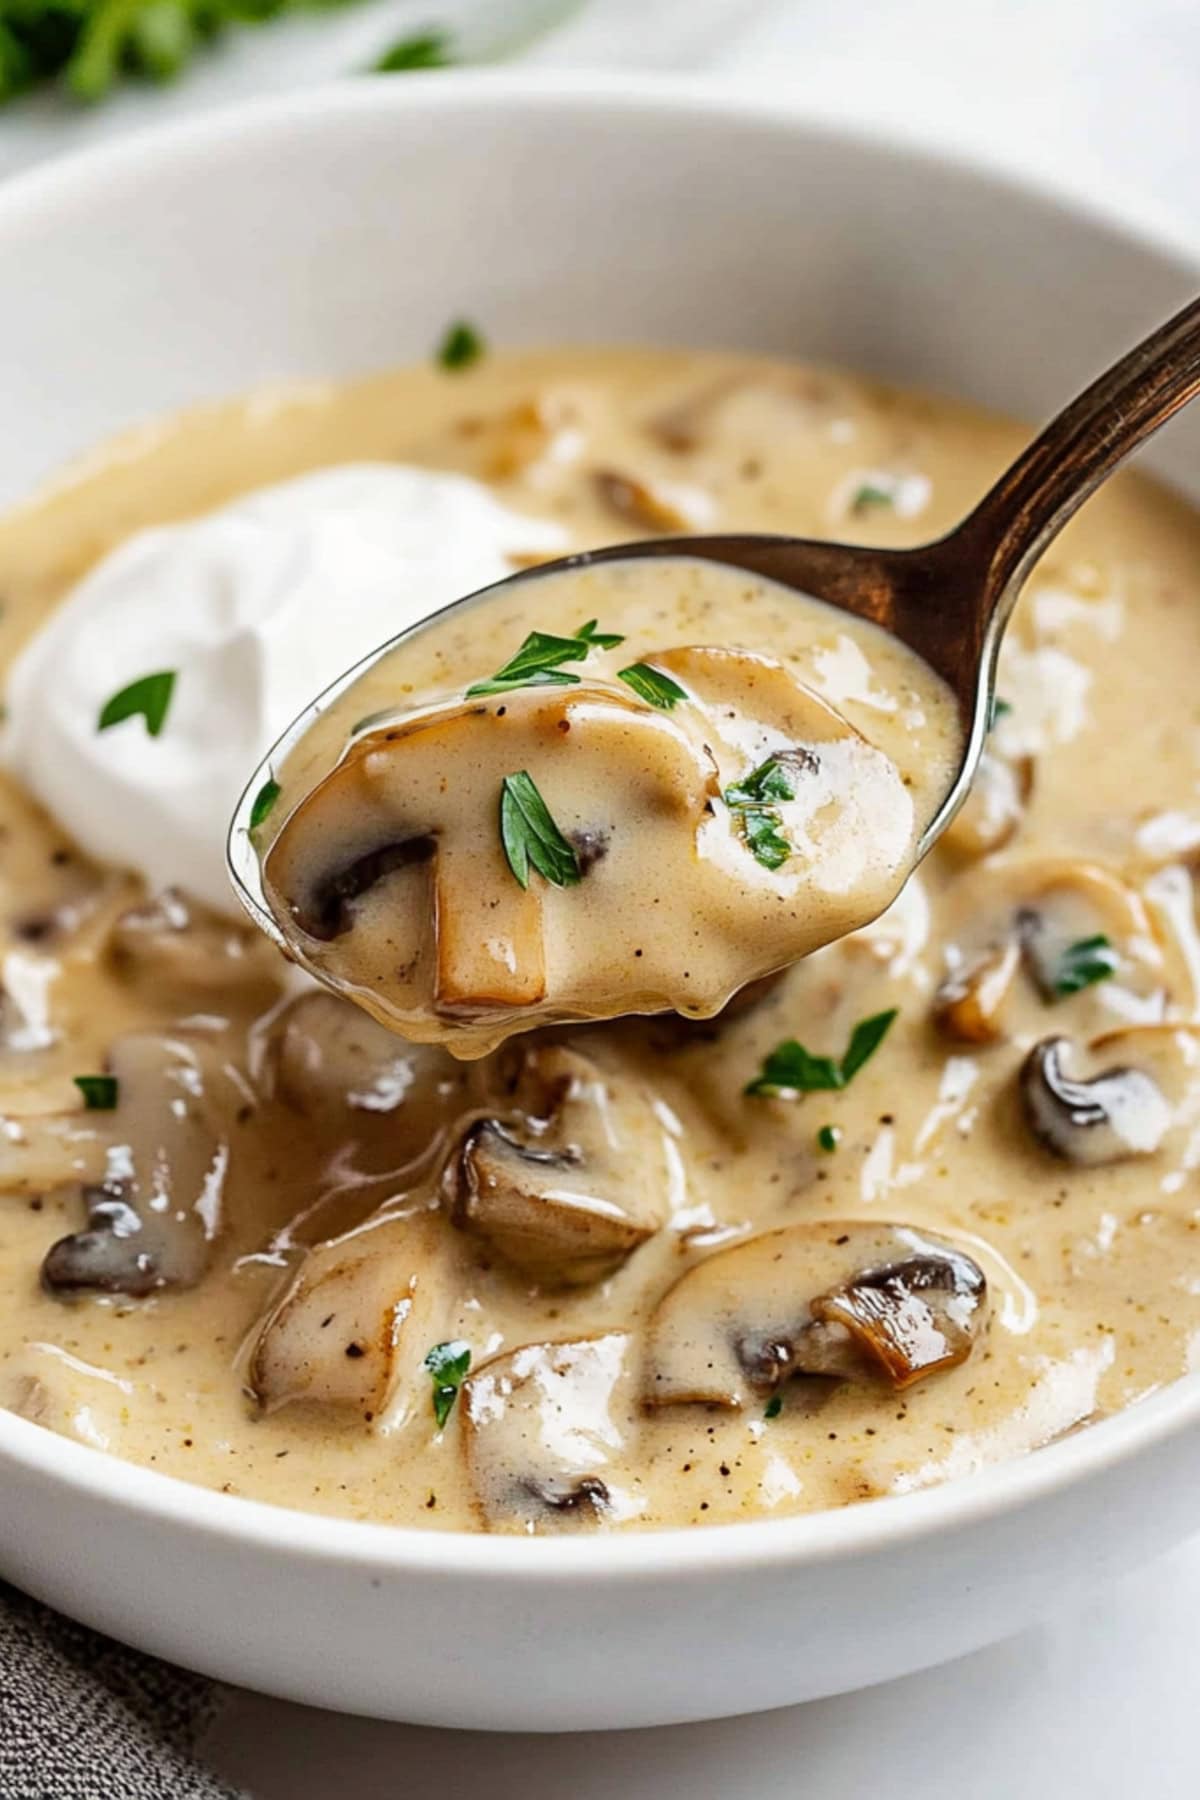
(999, 708)
(603, 640)
(420, 50)
(766, 842)
(448, 1365)
(770, 781)
(536, 664)
(829, 1137)
(774, 1407)
(150, 697)
(1083, 964)
(264, 802)
(461, 346)
(749, 801)
(99, 1091)
(790, 1068)
(87, 46)
(530, 837)
(652, 685)
(871, 494)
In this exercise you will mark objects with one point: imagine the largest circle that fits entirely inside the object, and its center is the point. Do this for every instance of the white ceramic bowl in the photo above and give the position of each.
(338, 232)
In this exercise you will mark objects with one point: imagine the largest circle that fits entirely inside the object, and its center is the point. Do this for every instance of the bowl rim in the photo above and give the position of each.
(797, 1540)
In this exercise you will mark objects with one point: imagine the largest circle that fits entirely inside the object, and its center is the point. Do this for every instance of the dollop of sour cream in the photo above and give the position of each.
(255, 608)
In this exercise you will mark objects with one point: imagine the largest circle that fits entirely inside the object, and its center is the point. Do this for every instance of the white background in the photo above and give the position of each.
(1100, 1703)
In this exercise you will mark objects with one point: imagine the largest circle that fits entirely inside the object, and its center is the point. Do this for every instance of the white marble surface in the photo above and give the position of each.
(1096, 1704)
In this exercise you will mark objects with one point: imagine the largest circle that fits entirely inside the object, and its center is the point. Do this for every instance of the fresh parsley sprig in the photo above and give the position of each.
(99, 1091)
(419, 50)
(530, 837)
(1083, 964)
(791, 1069)
(749, 800)
(448, 1365)
(264, 803)
(538, 662)
(148, 698)
(461, 344)
(651, 684)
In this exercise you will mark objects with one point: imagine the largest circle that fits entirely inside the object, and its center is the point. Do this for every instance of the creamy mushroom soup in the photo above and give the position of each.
(922, 1202)
(516, 843)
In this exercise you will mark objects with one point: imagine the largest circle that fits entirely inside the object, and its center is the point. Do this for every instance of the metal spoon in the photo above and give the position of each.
(949, 601)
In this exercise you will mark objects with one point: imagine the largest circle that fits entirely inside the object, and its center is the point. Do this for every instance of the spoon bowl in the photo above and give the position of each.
(949, 600)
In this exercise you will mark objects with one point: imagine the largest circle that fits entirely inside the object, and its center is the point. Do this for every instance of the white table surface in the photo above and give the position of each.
(1096, 1704)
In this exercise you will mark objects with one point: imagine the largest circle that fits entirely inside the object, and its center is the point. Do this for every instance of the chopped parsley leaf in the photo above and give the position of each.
(1083, 964)
(999, 708)
(652, 685)
(420, 50)
(761, 825)
(770, 781)
(448, 1365)
(790, 1068)
(871, 494)
(603, 640)
(264, 803)
(537, 662)
(774, 1407)
(766, 842)
(531, 838)
(99, 1091)
(461, 346)
(829, 1137)
(150, 697)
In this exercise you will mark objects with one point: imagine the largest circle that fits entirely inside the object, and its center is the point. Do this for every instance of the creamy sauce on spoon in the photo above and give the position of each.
(718, 778)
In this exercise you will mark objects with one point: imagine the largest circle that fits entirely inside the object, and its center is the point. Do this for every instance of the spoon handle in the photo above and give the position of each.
(1079, 449)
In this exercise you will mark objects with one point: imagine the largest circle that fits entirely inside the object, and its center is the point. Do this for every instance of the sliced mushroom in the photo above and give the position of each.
(572, 1179)
(842, 1298)
(649, 505)
(177, 947)
(737, 414)
(354, 1328)
(1026, 916)
(375, 1100)
(393, 849)
(1108, 1117)
(549, 1436)
(969, 1004)
(993, 811)
(156, 1212)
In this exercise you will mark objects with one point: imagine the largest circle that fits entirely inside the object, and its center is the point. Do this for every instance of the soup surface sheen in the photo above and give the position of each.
(915, 1248)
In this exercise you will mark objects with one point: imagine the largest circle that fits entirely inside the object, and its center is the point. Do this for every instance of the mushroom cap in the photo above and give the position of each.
(353, 1328)
(572, 1178)
(843, 1298)
(158, 1209)
(550, 1436)
(390, 882)
(386, 1104)
(181, 948)
(1138, 1088)
(1010, 922)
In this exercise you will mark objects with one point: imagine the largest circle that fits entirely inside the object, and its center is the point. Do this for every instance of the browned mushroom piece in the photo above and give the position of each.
(392, 881)
(1129, 1094)
(179, 948)
(382, 1103)
(571, 1179)
(843, 1298)
(651, 506)
(737, 414)
(992, 813)
(153, 1217)
(391, 876)
(355, 1325)
(1031, 918)
(549, 1436)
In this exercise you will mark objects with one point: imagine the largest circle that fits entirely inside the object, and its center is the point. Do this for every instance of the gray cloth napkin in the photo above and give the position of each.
(82, 1718)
